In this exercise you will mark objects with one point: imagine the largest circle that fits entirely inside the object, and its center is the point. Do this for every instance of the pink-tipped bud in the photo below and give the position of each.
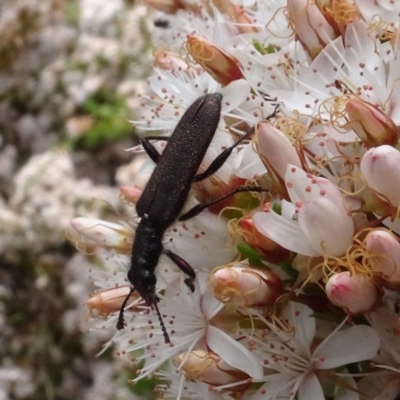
(245, 23)
(169, 61)
(310, 25)
(130, 194)
(246, 287)
(385, 250)
(356, 294)
(380, 167)
(208, 367)
(270, 250)
(223, 67)
(276, 152)
(109, 301)
(104, 234)
(217, 189)
(371, 125)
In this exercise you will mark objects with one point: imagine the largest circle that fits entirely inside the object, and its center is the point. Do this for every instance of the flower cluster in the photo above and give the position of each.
(297, 289)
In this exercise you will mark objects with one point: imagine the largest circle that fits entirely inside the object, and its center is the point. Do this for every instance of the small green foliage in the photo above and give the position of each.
(277, 208)
(110, 114)
(71, 12)
(251, 253)
(286, 266)
(270, 49)
(241, 201)
(145, 387)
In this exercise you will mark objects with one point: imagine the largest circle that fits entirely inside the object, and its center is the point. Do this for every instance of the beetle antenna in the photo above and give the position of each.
(121, 321)
(163, 328)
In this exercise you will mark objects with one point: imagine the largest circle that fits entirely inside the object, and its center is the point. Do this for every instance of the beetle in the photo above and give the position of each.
(166, 192)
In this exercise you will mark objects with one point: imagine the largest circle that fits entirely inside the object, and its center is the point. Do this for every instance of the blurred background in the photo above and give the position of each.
(70, 75)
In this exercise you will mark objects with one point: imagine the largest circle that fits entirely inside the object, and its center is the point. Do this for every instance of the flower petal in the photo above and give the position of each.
(283, 231)
(329, 230)
(355, 344)
(300, 318)
(310, 389)
(234, 353)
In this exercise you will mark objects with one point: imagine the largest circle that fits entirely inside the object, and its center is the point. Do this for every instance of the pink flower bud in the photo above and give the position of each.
(105, 302)
(169, 61)
(380, 167)
(310, 25)
(276, 152)
(372, 126)
(356, 294)
(245, 23)
(207, 191)
(130, 194)
(223, 67)
(104, 234)
(385, 250)
(208, 367)
(245, 287)
(270, 250)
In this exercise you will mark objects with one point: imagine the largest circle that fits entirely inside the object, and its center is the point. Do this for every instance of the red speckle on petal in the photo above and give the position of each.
(322, 192)
(289, 185)
(293, 169)
(308, 189)
(298, 204)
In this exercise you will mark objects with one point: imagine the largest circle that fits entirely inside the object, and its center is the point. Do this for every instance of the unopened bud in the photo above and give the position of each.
(104, 234)
(218, 188)
(223, 67)
(109, 301)
(130, 194)
(380, 167)
(246, 287)
(310, 25)
(208, 367)
(169, 61)
(371, 125)
(245, 23)
(270, 250)
(276, 152)
(339, 13)
(138, 171)
(385, 250)
(356, 294)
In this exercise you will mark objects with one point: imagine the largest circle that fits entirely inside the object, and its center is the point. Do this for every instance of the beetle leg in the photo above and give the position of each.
(150, 149)
(221, 158)
(185, 267)
(200, 207)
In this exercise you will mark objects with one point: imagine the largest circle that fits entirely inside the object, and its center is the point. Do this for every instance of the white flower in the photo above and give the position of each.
(190, 320)
(294, 361)
(315, 223)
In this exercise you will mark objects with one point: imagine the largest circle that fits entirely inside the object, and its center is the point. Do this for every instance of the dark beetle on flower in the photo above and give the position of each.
(166, 193)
